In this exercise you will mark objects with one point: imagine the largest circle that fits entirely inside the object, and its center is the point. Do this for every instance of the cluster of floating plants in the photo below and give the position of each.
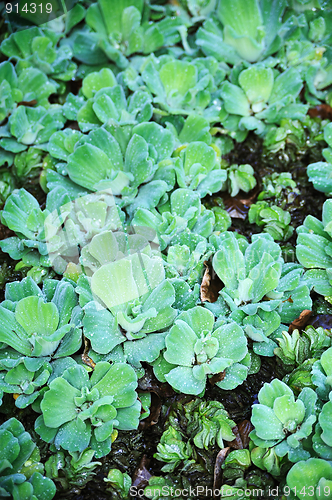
(166, 249)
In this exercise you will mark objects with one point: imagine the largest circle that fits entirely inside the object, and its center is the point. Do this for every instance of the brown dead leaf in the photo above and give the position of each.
(210, 287)
(236, 444)
(238, 206)
(142, 475)
(217, 481)
(29, 104)
(245, 427)
(85, 358)
(155, 410)
(218, 377)
(323, 111)
(300, 322)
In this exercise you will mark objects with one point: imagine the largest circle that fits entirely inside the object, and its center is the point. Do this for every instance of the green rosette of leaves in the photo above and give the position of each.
(183, 87)
(256, 30)
(320, 173)
(109, 246)
(29, 85)
(119, 163)
(173, 450)
(277, 185)
(79, 411)
(118, 483)
(21, 472)
(72, 469)
(310, 479)
(72, 226)
(37, 48)
(54, 236)
(240, 177)
(106, 103)
(23, 215)
(195, 350)
(282, 422)
(117, 29)
(28, 125)
(259, 99)
(182, 212)
(41, 323)
(128, 280)
(321, 440)
(186, 256)
(314, 250)
(198, 168)
(257, 286)
(321, 375)
(23, 377)
(25, 85)
(274, 220)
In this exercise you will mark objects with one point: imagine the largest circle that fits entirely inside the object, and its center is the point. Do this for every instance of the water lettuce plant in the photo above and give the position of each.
(118, 483)
(38, 48)
(41, 323)
(100, 162)
(183, 211)
(260, 98)
(275, 220)
(23, 377)
(257, 286)
(72, 468)
(23, 215)
(319, 173)
(240, 177)
(275, 184)
(21, 474)
(71, 226)
(174, 451)
(314, 475)
(128, 280)
(29, 85)
(198, 169)
(321, 375)
(119, 29)
(181, 87)
(312, 250)
(282, 422)
(252, 34)
(29, 126)
(195, 349)
(90, 408)
(186, 256)
(107, 104)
